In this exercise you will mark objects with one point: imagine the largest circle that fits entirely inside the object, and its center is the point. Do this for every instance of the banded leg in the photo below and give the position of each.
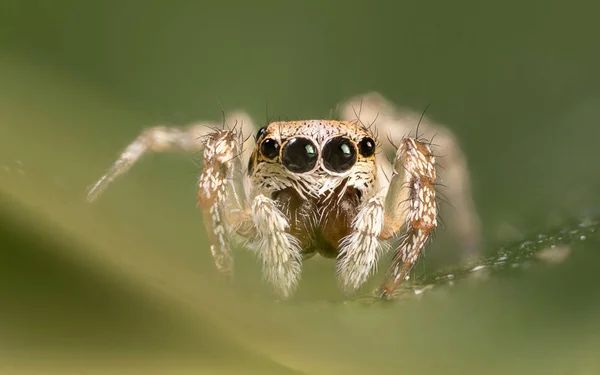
(221, 195)
(277, 249)
(414, 177)
(165, 139)
(360, 250)
(374, 109)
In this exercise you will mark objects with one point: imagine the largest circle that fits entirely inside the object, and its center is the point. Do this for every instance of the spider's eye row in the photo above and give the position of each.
(269, 148)
(339, 154)
(366, 147)
(299, 155)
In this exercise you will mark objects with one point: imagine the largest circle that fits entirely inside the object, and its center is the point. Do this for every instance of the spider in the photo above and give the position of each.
(319, 187)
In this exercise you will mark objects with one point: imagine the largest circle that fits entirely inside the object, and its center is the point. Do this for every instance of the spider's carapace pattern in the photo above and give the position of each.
(319, 187)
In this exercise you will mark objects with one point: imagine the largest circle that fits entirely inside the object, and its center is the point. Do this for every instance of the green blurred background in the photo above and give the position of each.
(127, 285)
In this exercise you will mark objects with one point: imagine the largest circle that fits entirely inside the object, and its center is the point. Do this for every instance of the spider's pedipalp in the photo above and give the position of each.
(360, 250)
(278, 250)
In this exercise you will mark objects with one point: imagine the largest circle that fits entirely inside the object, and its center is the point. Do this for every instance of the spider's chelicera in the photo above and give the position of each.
(310, 187)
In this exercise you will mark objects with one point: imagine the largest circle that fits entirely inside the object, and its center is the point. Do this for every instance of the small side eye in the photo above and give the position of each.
(261, 133)
(269, 148)
(366, 147)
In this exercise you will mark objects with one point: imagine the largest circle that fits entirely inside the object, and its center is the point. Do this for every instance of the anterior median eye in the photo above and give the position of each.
(339, 154)
(299, 155)
(269, 148)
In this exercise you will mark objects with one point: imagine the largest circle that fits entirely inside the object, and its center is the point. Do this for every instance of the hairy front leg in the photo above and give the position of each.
(411, 203)
(221, 195)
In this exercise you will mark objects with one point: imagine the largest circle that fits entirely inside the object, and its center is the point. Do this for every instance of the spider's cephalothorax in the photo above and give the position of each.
(314, 187)
(319, 173)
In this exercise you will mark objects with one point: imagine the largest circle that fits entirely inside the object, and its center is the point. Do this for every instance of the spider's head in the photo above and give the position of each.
(314, 157)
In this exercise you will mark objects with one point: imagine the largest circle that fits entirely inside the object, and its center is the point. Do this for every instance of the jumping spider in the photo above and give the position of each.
(319, 187)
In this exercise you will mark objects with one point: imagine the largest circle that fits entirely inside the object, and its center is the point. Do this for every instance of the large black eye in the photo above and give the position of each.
(269, 148)
(299, 155)
(366, 147)
(339, 155)
(261, 133)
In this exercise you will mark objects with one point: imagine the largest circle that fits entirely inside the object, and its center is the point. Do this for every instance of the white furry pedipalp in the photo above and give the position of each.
(278, 250)
(360, 250)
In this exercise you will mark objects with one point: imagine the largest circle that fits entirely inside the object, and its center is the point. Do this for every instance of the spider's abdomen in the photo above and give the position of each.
(320, 223)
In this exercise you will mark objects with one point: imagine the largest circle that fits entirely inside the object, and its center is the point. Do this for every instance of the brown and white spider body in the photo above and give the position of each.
(308, 187)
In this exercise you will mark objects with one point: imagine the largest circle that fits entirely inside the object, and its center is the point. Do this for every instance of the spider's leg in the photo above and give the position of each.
(372, 109)
(360, 250)
(221, 195)
(163, 139)
(277, 249)
(410, 203)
